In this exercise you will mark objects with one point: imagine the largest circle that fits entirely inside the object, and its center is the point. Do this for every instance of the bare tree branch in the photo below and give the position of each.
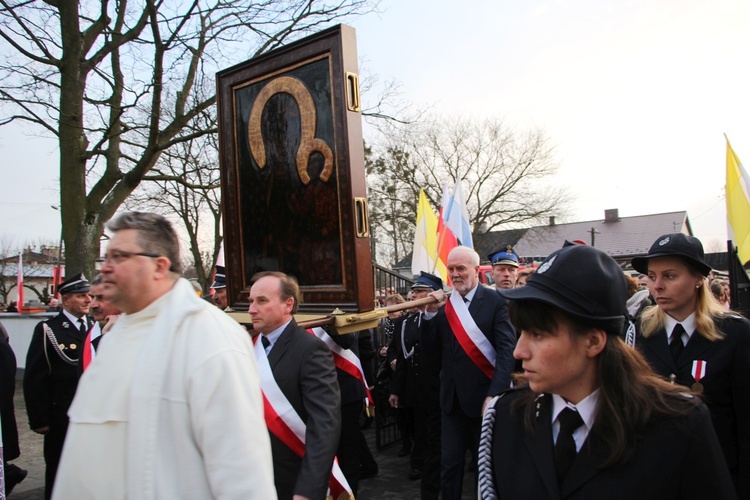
(120, 83)
(503, 172)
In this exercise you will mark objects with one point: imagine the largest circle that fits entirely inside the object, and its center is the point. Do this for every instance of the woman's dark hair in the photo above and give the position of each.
(630, 393)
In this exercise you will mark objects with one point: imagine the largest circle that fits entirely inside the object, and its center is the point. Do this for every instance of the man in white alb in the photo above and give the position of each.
(171, 406)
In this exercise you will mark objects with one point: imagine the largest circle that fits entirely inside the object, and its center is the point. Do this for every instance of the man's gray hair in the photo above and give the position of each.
(97, 280)
(469, 252)
(155, 235)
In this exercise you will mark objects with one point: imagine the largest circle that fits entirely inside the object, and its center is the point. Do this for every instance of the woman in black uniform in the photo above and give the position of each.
(593, 420)
(690, 339)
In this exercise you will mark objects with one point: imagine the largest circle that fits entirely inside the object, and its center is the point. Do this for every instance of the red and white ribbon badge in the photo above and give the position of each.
(699, 369)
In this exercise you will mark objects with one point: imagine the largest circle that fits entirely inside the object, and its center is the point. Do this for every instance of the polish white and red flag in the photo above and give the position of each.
(453, 224)
(19, 283)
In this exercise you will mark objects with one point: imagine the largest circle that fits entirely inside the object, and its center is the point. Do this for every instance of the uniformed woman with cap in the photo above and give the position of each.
(593, 420)
(690, 339)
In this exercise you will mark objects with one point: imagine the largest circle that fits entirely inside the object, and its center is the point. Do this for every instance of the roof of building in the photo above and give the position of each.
(614, 235)
(620, 237)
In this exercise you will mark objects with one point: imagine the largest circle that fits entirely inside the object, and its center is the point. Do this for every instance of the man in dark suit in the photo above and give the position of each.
(476, 357)
(52, 373)
(303, 369)
(352, 446)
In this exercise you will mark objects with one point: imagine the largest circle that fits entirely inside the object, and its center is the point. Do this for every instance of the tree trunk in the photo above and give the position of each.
(80, 245)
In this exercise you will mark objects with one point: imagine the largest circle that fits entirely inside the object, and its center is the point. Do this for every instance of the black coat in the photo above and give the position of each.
(726, 386)
(303, 368)
(405, 381)
(49, 383)
(675, 458)
(7, 390)
(459, 376)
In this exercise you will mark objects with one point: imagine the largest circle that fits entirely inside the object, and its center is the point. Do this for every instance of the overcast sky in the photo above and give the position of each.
(635, 94)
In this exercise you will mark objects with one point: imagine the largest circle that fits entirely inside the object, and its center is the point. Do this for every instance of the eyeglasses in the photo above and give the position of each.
(120, 256)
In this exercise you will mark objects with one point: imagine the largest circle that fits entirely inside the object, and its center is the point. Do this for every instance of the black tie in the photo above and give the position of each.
(675, 341)
(266, 342)
(565, 447)
(84, 330)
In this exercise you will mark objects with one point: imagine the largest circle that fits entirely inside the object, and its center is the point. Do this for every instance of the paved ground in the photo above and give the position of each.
(391, 483)
(31, 459)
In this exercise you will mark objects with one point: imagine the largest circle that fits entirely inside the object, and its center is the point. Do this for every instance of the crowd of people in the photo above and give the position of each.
(569, 381)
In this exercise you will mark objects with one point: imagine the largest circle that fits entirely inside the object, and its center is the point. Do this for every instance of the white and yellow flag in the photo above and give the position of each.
(738, 205)
(425, 238)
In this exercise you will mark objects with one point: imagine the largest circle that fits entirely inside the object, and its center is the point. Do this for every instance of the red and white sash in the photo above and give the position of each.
(89, 353)
(283, 421)
(345, 360)
(469, 336)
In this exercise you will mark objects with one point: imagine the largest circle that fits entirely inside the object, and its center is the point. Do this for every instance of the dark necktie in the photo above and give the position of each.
(266, 342)
(675, 341)
(84, 330)
(565, 447)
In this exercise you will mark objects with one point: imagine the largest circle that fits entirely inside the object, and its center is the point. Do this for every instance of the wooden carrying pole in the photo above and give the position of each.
(348, 323)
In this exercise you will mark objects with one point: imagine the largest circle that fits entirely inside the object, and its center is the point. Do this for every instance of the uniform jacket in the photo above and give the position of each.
(49, 383)
(676, 458)
(726, 385)
(459, 375)
(304, 371)
(404, 381)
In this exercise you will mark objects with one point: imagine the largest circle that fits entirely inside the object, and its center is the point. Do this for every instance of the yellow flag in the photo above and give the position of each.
(425, 238)
(738, 205)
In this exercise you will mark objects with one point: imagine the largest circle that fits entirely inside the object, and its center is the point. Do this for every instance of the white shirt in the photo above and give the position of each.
(586, 408)
(76, 321)
(470, 295)
(688, 324)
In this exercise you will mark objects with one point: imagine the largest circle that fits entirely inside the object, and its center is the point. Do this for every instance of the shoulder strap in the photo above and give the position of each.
(56, 346)
(485, 471)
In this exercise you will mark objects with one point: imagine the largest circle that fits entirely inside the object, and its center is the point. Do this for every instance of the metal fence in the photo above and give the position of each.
(388, 282)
